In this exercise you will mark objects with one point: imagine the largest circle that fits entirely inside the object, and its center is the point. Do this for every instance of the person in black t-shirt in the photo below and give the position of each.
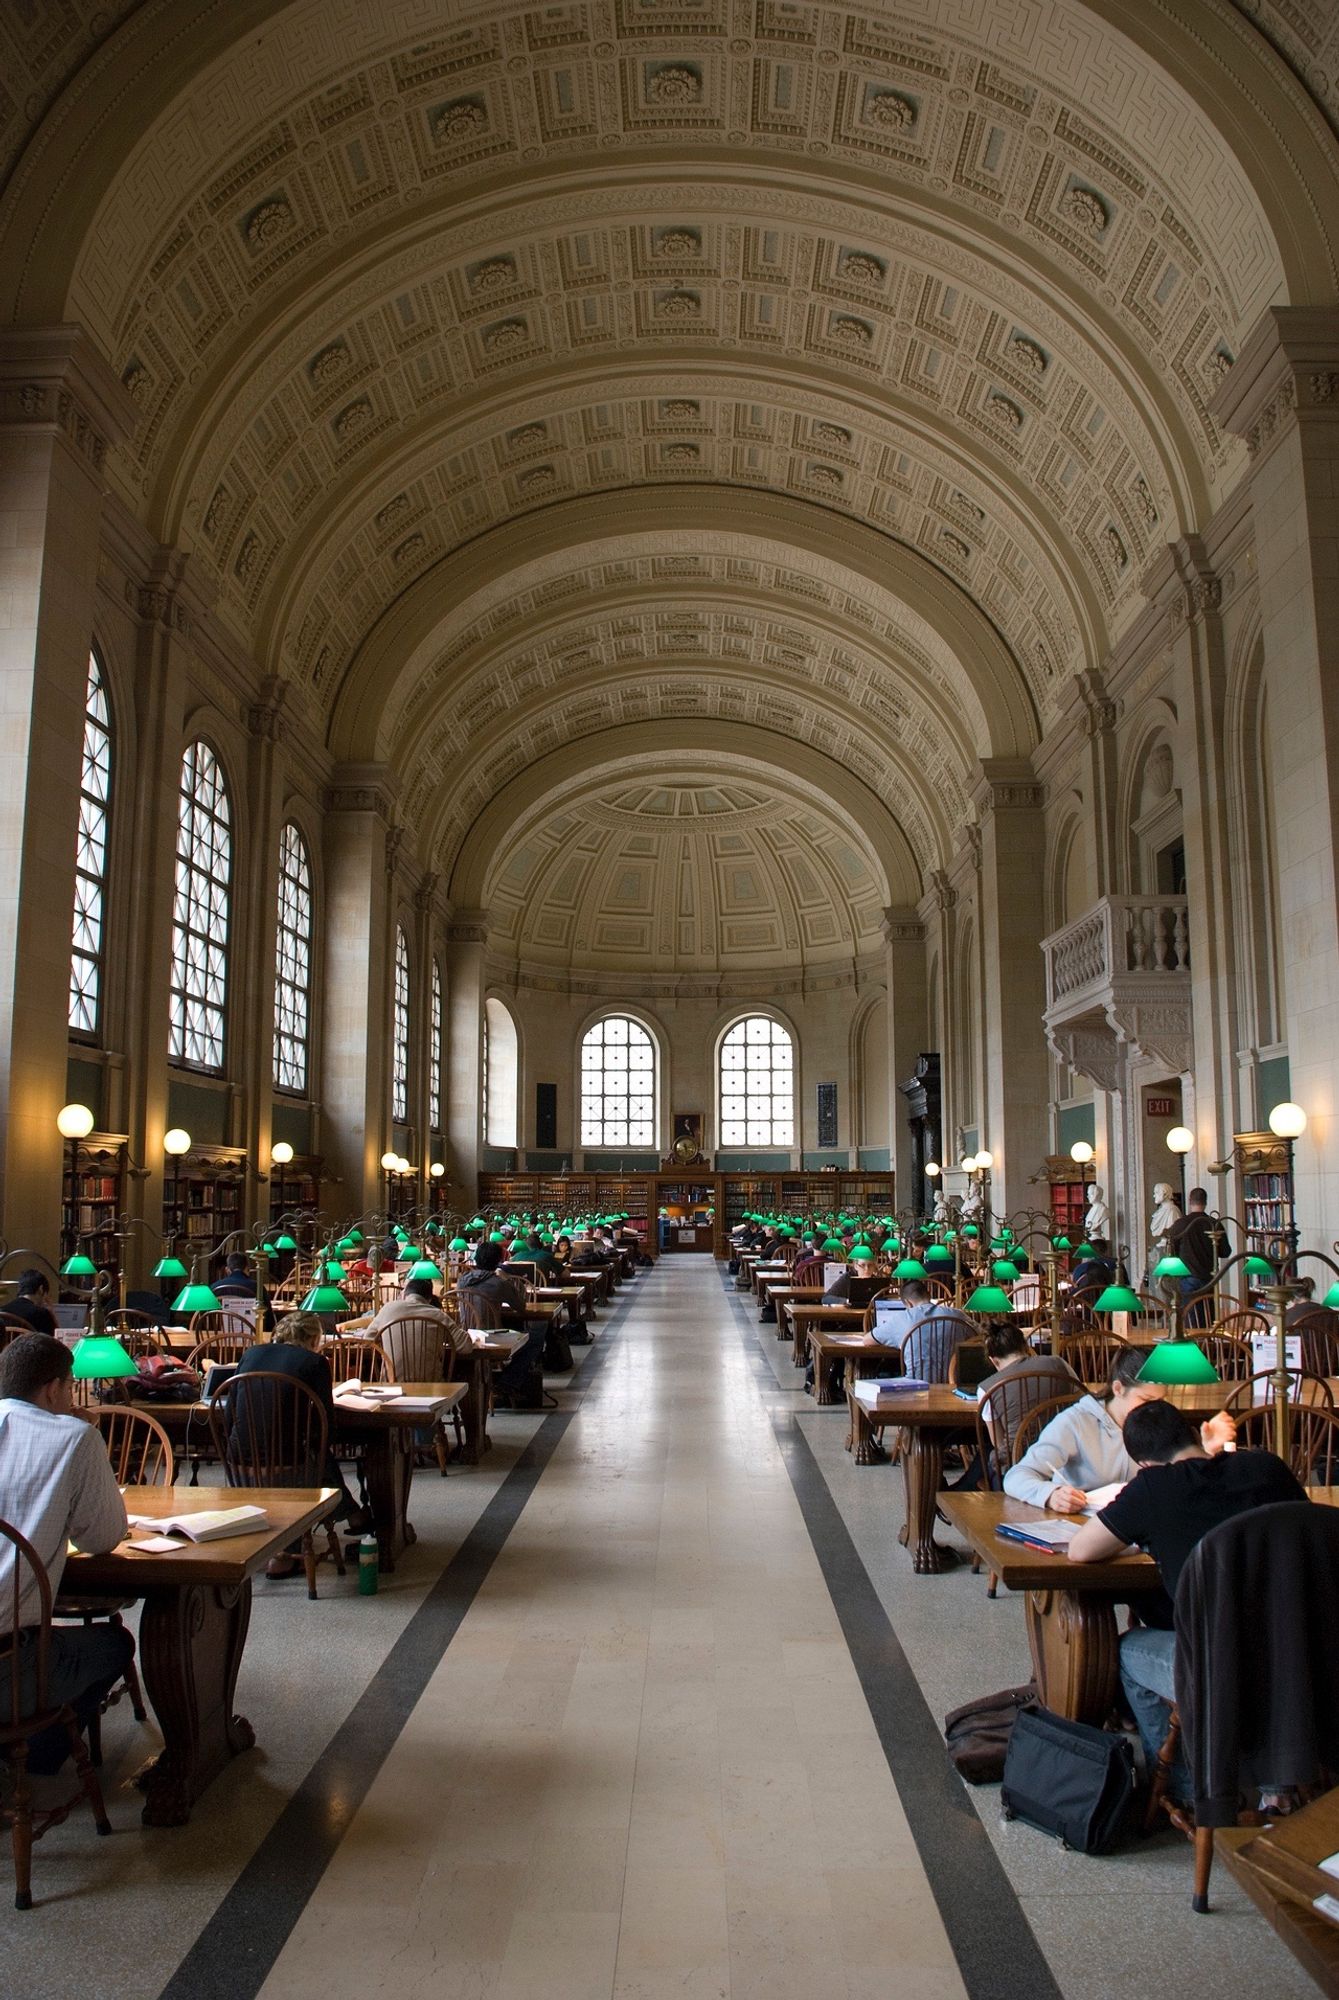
(1179, 1493)
(33, 1303)
(1196, 1239)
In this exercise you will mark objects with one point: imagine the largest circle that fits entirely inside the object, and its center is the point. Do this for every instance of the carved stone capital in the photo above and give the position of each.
(426, 893)
(1158, 1031)
(901, 926)
(1287, 371)
(54, 379)
(158, 604)
(943, 891)
(1008, 785)
(1093, 1050)
(395, 837)
(469, 927)
(264, 716)
(361, 788)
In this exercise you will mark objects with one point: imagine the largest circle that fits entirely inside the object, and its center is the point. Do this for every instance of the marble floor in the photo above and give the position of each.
(652, 1708)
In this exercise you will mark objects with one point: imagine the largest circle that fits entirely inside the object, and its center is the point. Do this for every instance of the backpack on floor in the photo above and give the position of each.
(1068, 1779)
(578, 1333)
(557, 1352)
(977, 1734)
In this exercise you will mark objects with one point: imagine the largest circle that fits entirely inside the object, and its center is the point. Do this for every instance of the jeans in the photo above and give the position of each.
(84, 1664)
(1146, 1663)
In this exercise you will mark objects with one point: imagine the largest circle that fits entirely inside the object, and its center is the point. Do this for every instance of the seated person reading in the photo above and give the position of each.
(1179, 1493)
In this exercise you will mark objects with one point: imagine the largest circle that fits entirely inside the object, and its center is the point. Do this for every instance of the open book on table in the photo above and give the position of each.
(207, 1526)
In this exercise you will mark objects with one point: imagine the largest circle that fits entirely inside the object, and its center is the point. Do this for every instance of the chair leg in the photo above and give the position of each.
(88, 1778)
(336, 1553)
(1161, 1773)
(21, 1833)
(1199, 1902)
(95, 1738)
(309, 1562)
(439, 1447)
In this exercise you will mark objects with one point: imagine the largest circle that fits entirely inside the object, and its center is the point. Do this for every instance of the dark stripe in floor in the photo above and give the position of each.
(232, 1957)
(997, 1952)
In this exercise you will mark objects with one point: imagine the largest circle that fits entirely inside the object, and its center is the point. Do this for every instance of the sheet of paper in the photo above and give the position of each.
(1102, 1496)
(1327, 1906)
(1330, 1865)
(157, 1544)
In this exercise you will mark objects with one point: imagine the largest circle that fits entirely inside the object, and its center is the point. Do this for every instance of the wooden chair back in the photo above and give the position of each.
(1242, 1322)
(25, 1608)
(11, 1328)
(928, 1350)
(1257, 1392)
(480, 1315)
(1034, 1421)
(1230, 1355)
(350, 1356)
(227, 1320)
(139, 1448)
(940, 1290)
(270, 1430)
(1319, 1332)
(1000, 1414)
(414, 1348)
(137, 1334)
(1092, 1355)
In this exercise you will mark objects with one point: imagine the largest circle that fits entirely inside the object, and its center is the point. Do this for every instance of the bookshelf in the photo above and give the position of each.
(1067, 1184)
(296, 1185)
(1265, 1187)
(92, 1196)
(203, 1201)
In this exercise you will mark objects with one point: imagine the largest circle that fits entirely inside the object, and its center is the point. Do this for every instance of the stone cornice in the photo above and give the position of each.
(1289, 364)
(1008, 784)
(54, 378)
(361, 788)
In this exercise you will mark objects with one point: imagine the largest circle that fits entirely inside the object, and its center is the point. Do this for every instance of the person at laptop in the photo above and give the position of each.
(934, 1331)
(239, 1283)
(1020, 1379)
(32, 1302)
(535, 1251)
(1179, 1493)
(57, 1487)
(296, 1351)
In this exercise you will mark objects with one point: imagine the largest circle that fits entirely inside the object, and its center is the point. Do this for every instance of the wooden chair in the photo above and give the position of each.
(137, 1334)
(999, 1416)
(353, 1355)
(1230, 1355)
(271, 1430)
(218, 1346)
(1092, 1354)
(1313, 1427)
(1319, 1334)
(939, 1291)
(1241, 1322)
(11, 1327)
(141, 1454)
(25, 1609)
(417, 1349)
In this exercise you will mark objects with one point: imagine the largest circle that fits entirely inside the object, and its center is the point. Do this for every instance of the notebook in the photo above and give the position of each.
(1051, 1535)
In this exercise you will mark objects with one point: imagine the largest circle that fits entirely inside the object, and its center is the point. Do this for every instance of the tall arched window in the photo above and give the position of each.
(400, 1031)
(435, 1052)
(618, 1084)
(199, 994)
(501, 1074)
(292, 968)
(757, 1080)
(90, 866)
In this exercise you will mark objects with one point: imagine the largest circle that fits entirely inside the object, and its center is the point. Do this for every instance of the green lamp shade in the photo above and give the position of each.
(345, 1244)
(1006, 1234)
(908, 1268)
(432, 1229)
(1174, 1267)
(197, 1299)
(1003, 1272)
(286, 1242)
(335, 1271)
(1178, 1361)
(891, 1246)
(97, 1358)
(355, 1235)
(496, 1236)
(325, 1299)
(939, 1253)
(424, 1269)
(475, 1222)
(989, 1299)
(1260, 1267)
(832, 1248)
(79, 1266)
(862, 1254)
(1060, 1243)
(1118, 1299)
(457, 1243)
(266, 1250)
(408, 1253)
(170, 1267)
(970, 1229)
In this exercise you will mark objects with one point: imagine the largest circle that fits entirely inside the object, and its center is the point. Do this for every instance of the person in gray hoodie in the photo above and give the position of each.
(1082, 1448)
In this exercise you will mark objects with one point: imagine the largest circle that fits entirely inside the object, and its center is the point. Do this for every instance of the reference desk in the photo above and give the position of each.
(1071, 1607)
(197, 1607)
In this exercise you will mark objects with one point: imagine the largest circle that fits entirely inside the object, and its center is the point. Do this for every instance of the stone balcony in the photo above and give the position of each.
(1118, 987)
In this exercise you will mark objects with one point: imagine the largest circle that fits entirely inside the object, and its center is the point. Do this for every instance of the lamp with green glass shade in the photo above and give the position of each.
(862, 1254)
(496, 1236)
(990, 1300)
(355, 1234)
(335, 1271)
(79, 1266)
(458, 1243)
(345, 1244)
(1061, 1243)
(1118, 1299)
(286, 1242)
(1173, 1361)
(891, 1246)
(195, 1298)
(408, 1253)
(425, 1268)
(938, 1253)
(170, 1267)
(1171, 1267)
(970, 1229)
(325, 1299)
(907, 1269)
(1260, 1267)
(833, 1248)
(1003, 1272)
(99, 1358)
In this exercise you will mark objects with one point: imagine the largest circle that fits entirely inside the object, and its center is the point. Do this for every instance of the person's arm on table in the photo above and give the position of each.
(1119, 1526)
(1037, 1476)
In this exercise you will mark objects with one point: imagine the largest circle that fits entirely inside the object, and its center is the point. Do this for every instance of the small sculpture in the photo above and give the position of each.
(942, 1213)
(973, 1202)
(1097, 1222)
(1165, 1215)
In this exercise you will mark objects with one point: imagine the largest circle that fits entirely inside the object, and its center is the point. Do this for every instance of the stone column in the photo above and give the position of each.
(904, 957)
(1013, 849)
(467, 938)
(425, 933)
(355, 1077)
(61, 407)
(255, 936)
(1282, 396)
(936, 912)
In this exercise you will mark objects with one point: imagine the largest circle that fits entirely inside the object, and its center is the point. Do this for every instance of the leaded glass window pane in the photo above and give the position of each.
(435, 1052)
(618, 1069)
(400, 1032)
(757, 1084)
(90, 861)
(292, 972)
(199, 987)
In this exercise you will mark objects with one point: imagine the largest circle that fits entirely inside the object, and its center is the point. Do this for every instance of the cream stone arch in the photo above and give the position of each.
(539, 792)
(1253, 834)
(1155, 723)
(661, 1040)
(744, 1008)
(1066, 826)
(679, 531)
(857, 1087)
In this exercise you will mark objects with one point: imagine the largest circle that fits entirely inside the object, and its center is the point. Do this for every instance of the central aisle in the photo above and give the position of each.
(644, 1766)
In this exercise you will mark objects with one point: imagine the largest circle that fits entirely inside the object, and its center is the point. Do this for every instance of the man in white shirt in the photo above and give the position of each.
(56, 1487)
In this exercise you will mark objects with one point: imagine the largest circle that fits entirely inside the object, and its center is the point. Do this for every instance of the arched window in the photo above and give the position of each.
(199, 993)
(435, 1053)
(618, 1084)
(292, 968)
(757, 1084)
(501, 1075)
(90, 866)
(400, 1031)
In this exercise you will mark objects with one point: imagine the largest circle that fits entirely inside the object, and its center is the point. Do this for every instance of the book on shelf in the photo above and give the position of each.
(209, 1525)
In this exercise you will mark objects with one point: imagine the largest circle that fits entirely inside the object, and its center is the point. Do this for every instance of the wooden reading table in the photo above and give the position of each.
(386, 1436)
(785, 1294)
(197, 1606)
(805, 1314)
(1278, 1868)
(854, 1354)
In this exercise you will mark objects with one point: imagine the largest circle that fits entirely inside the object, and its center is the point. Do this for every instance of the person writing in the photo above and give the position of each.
(1178, 1494)
(57, 1487)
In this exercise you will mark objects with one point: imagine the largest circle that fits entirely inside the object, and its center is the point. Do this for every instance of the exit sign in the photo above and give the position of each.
(1160, 1107)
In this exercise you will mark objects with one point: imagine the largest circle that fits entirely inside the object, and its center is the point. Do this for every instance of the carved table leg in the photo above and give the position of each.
(474, 1411)
(383, 1470)
(922, 1473)
(1075, 1651)
(190, 1648)
(861, 1442)
(800, 1344)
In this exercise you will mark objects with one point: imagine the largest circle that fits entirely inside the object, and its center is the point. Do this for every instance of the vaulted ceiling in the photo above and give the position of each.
(821, 377)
